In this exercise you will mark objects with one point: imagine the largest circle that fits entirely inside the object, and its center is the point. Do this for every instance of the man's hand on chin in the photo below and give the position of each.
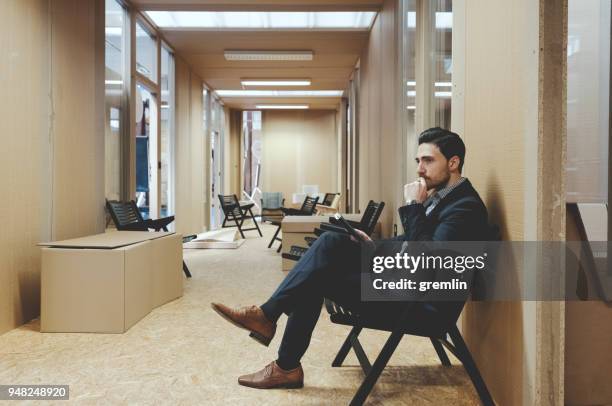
(415, 192)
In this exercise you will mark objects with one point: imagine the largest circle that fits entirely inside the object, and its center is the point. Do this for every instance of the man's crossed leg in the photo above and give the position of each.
(330, 268)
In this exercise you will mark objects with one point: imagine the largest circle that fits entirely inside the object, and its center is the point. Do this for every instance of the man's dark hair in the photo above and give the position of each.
(448, 142)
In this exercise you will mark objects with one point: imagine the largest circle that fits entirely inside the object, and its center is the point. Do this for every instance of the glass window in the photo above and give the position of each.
(216, 160)
(252, 148)
(146, 53)
(409, 81)
(167, 132)
(588, 101)
(114, 96)
(146, 152)
(206, 101)
(442, 63)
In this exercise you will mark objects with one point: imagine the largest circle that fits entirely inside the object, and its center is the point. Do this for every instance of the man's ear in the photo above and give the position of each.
(453, 163)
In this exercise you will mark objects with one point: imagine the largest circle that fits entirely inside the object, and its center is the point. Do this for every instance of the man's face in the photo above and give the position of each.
(432, 166)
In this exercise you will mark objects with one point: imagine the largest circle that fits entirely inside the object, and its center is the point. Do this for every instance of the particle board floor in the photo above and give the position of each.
(184, 353)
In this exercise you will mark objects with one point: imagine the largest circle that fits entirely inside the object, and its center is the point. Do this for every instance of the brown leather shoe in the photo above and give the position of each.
(250, 318)
(272, 376)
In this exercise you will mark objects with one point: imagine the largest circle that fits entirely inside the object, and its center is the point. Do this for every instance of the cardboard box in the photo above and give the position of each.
(106, 283)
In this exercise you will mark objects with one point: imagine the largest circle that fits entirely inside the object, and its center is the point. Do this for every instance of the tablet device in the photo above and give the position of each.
(345, 224)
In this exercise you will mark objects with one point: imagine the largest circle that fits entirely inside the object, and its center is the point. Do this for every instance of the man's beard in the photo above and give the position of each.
(440, 184)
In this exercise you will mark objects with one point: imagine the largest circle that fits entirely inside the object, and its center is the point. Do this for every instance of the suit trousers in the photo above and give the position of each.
(329, 269)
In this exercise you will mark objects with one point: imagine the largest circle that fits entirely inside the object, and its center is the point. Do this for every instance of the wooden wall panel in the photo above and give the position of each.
(299, 148)
(24, 110)
(500, 59)
(78, 140)
(200, 158)
(379, 138)
(51, 121)
(191, 166)
(512, 128)
(183, 142)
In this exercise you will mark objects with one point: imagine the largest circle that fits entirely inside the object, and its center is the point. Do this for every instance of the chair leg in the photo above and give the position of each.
(362, 357)
(441, 353)
(239, 225)
(346, 347)
(279, 247)
(380, 363)
(471, 368)
(274, 237)
(186, 270)
(255, 221)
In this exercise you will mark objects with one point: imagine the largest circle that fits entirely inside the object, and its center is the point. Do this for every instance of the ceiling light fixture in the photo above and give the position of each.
(275, 82)
(233, 55)
(282, 106)
(279, 93)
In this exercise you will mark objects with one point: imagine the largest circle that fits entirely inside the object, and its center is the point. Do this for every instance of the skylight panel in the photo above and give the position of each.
(355, 20)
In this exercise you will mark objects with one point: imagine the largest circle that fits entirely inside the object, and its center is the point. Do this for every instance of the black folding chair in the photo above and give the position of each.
(234, 211)
(271, 204)
(434, 320)
(366, 224)
(308, 208)
(127, 217)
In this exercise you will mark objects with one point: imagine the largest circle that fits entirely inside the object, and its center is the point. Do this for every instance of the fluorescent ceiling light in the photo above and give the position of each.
(412, 93)
(268, 55)
(279, 93)
(411, 107)
(443, 95)
(436, 84)
(275, 82)
(282, 106)
(257, 20)
(113, 82)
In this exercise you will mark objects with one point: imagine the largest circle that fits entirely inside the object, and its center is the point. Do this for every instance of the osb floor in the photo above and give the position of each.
(184, 353)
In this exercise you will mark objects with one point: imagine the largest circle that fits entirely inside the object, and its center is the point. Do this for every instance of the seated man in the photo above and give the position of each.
(440, 206)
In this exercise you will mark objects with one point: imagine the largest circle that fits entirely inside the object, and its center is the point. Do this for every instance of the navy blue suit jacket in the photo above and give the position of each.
(459, 216)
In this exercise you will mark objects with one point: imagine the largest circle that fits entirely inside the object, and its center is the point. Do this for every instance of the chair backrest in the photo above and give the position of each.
(309, 205)
(328, 199)
(370, 216)
(271, 200)
(123, 213)
(230, 205)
